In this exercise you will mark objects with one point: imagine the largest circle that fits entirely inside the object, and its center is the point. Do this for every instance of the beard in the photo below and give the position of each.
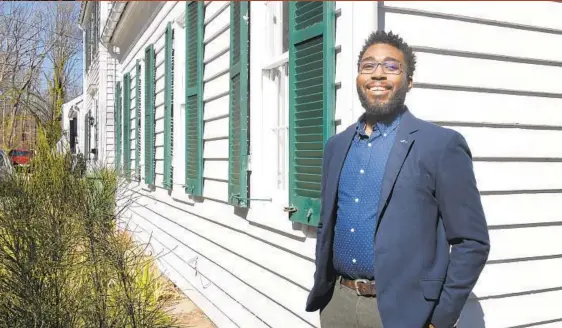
(377, 111)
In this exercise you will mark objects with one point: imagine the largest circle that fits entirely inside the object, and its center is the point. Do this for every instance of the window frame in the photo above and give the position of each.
(127, 125)
(138, 120)
(275, 83)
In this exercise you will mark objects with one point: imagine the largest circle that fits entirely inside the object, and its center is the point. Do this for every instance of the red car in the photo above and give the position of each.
(20, 157)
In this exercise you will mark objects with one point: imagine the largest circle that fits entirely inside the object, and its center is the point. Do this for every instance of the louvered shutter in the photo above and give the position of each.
(194, 98)
(149, 70)
(238, 134)
(118, 127)
(138, 119)
(127, 125)
(311, 102)
(88, 48)
(168, 107)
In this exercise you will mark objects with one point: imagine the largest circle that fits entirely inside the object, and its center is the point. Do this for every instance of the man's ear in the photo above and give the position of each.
(410, 83)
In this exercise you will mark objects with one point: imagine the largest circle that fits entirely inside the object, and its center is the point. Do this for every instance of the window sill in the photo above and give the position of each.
(179, 195)
(272, 216)
(277, 61)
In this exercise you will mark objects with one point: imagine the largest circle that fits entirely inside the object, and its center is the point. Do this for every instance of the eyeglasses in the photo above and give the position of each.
(388, 67)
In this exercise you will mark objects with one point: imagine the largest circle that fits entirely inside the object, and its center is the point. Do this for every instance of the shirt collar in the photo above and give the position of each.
(382, 127)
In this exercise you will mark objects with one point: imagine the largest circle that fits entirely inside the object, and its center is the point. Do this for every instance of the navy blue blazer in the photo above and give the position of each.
(431, 238)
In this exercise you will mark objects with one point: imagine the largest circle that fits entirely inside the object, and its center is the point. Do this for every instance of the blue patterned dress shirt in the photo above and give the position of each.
(358, 197)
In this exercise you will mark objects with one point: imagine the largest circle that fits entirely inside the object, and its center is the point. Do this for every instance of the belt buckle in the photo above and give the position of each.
(356, 282)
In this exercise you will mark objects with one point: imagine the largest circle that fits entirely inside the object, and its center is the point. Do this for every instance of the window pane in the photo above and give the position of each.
(285, 27)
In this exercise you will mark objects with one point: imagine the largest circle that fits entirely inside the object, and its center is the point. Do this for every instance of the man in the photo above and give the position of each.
(402, 237)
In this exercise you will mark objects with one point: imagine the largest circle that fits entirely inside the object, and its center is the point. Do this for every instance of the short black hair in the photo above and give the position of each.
(394, 40)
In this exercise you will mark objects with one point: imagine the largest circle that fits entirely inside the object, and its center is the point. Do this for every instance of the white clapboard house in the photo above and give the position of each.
(217, 112)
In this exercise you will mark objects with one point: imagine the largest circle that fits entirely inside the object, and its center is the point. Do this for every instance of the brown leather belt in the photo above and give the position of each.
(362, 287)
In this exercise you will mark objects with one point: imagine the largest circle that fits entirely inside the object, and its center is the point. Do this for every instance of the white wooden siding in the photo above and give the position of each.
(478, 73)
(100, 76)
(256, 269)
(246, 276)
(524, 12)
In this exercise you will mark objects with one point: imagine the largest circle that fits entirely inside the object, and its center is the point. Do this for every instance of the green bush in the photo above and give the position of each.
(63, 261)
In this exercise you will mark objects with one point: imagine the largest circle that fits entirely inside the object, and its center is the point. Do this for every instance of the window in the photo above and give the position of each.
(73, 134)
(298, 91)
(276, 95)
(238, 120)
(194, 29)
(137, 119)
(127, 125)
(20, 153)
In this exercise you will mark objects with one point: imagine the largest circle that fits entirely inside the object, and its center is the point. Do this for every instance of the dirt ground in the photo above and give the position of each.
(189, 315)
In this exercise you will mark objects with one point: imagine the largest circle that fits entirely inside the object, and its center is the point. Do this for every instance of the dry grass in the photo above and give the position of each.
(64, 263)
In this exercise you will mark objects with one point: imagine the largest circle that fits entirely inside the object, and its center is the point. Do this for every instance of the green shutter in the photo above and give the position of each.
(168, 107)
(194, 98)
(149, 70)
(311, 102)
(238, 134)
(118, 127)
(138, 120)
(127, 125)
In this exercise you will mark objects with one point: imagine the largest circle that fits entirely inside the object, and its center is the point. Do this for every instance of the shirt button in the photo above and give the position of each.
(369, 144)
(357, 200)
(384, 135)
(362, 171)
(354, 260)
(352, 230)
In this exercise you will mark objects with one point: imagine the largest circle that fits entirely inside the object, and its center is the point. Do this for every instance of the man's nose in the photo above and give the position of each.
(378, 73)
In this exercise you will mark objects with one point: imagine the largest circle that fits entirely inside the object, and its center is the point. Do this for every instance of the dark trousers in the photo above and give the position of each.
(346, 309)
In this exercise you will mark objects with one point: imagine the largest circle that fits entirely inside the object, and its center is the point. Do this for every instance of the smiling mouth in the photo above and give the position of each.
(379, 90)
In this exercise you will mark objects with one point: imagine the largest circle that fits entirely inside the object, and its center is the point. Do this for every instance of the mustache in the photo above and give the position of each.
(371, 85)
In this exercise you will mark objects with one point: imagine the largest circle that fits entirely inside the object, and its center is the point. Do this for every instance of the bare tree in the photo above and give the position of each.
(22, 54)
(40, 46)
(63, 56)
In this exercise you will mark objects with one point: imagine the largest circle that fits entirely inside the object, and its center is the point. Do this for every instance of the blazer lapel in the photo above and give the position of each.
(400, 150)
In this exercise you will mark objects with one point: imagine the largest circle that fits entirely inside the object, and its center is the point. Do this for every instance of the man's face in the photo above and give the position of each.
(382, 82)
